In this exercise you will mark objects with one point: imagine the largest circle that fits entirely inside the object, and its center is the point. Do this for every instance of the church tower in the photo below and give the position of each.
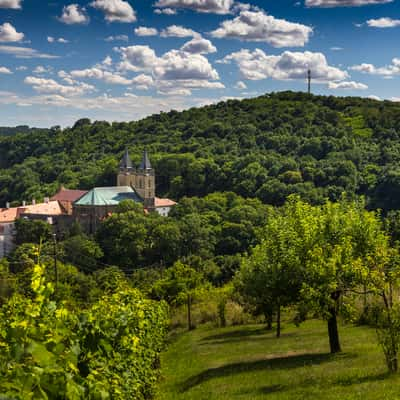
(125, 177)
(145, 185)
(143, 179)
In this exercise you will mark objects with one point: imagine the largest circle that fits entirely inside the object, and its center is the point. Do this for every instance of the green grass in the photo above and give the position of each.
(247, 362)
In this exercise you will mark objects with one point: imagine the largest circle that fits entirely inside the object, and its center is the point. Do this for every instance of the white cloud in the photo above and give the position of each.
(145, 31)
(41, 70)
(97, 73)
(199, 46)
(5, 70)
(103, 71)
(21, 68)
(347, 85)
(9, 34)
(257, 26)
(74, 14)
(387, 71)
(178, 65)
(240, 85)
(191, 84)
(14, 4)
(165, 11)
(203, 6)
(143, 82)
(178, 31)
(289, 65)
(373, 97)
(24, 52)
(137, 58)
(43, 85)
(336, 48)
(175, 92)
(174, 69)
(383, 23)
(344, 3)
(115, 10)
(107, 62)
(52, 39)
(122, 38)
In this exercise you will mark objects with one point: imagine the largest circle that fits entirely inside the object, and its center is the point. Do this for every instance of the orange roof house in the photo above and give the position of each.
(9, 215)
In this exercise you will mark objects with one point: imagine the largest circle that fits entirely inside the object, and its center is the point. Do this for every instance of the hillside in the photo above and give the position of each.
(8, 131)
(267, 147)
(248, 362)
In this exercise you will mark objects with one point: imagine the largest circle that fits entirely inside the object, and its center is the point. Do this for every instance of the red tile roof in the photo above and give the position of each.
(163, 202)
(11, 214)
(69, 195)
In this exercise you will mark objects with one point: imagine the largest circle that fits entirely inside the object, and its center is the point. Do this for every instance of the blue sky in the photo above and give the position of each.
(121, 60)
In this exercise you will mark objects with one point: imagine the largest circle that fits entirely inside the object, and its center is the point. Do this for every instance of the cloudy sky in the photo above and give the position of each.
(121, 60)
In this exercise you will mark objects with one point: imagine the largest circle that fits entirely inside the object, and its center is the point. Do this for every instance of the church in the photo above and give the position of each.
(133, 183)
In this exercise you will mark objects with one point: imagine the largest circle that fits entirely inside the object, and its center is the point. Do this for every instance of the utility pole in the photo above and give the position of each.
(309, 81)
(55, 263)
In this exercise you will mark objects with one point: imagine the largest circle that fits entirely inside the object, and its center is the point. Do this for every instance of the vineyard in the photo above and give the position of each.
(54, 350)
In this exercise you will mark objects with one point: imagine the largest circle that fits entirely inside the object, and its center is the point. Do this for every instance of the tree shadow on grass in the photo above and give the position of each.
(237, 339)
(342, 381)
(287, 362)
(355, 380)
(239, 334)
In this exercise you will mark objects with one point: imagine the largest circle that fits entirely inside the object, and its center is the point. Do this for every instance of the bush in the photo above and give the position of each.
(388, 331)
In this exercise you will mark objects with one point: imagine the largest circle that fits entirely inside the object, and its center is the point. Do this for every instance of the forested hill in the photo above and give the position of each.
(267, 147)
(7, 131)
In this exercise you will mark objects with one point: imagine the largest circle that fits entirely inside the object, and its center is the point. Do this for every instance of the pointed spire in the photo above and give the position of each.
(126, 162)
(145, 164)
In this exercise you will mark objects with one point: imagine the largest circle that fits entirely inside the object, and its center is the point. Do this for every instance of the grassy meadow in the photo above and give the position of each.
(248, 362)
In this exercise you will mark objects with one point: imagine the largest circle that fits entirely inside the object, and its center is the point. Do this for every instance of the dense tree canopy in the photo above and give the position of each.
(268, 147)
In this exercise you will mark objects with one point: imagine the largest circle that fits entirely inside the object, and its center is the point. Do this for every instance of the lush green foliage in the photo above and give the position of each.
(32, 231)
(267, 147)
(317, 256)
(208, 232)
(54, 350)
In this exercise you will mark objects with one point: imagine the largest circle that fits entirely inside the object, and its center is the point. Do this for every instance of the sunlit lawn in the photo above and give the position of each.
(247, 362)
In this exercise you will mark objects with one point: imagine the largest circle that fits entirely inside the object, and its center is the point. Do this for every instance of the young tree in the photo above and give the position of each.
(346, 251)
(178, 286)
(318, 255)
(271, 277)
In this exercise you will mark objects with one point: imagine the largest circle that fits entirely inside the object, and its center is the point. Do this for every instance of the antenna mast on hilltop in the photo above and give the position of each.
(309, 81)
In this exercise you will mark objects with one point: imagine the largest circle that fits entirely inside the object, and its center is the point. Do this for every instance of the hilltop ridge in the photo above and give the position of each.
(267, 147)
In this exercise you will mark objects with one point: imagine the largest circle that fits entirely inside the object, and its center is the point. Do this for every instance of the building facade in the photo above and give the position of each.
(49, 211)
(99, 203)
(143, 181)
(137, 184)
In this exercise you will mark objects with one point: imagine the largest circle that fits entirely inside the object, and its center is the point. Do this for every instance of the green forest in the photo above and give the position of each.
(287, 216)
(267, 147)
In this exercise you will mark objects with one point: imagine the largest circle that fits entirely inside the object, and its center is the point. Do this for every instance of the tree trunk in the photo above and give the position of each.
(391, 351)
(278, 322)
(333, 331)
(268, 318)
(189, 314)
(268, 315)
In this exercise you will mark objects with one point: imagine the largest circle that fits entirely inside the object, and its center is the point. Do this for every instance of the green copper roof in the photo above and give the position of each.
(108, 196)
